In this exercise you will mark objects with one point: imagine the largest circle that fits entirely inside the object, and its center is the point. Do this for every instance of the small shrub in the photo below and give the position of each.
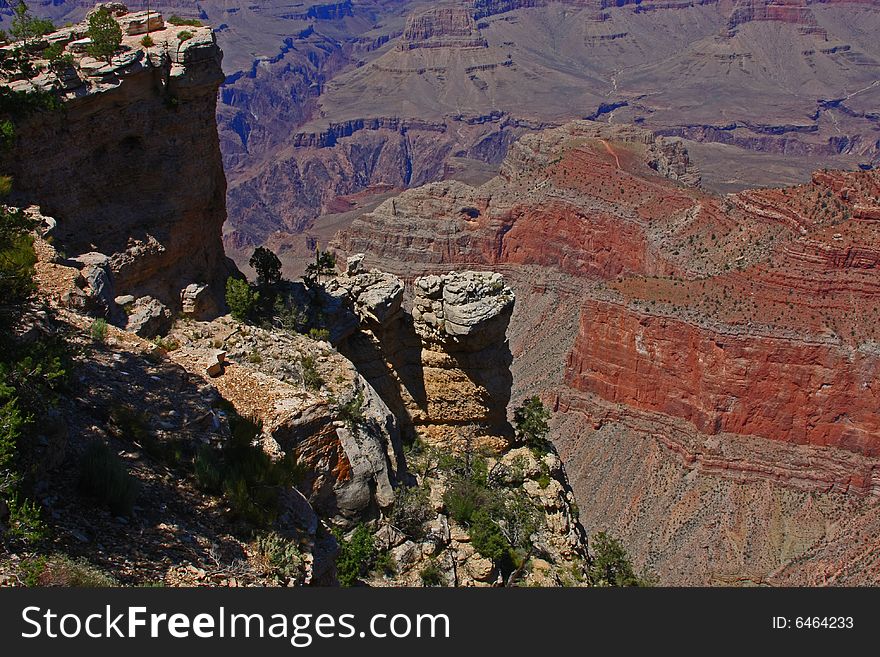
(241, 299)
(352, 411)
(61, 570)
(487, 538)
(280, 557)
(255, 358)
(166, 344)
(412, 509)
(246, 476)
(25, 521)
(431, 575)
(311, 377)
(386, 564)
(147, 41)
(98, 330)
(356, 556)
(319, 334)
(463, 498)
(178, 21)
(530, 421)
(103, 475)
(610, 564)
(184, 35)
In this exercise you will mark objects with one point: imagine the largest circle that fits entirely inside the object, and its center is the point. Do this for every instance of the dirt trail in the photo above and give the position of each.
(611, 152)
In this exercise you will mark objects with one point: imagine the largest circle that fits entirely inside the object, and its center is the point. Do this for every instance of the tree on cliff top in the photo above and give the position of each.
(28, 28)
(105, 33)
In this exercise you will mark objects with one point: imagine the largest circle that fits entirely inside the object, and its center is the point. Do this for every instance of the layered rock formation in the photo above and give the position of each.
(712, 358)
(444, 366)
(149, 188)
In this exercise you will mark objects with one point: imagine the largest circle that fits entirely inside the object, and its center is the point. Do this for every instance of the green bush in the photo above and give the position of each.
(431, 575)
(103, 475)
(280, 556)
(610, 565)
(386, 564)
(311, 377)
(356, 556)
(61, 570)
(98, 330)
(487, 538)
(530, 421)
(25, 520)
(412, 509)
(178, 21)
(352, 411)
(464, 497)
(246, 476)
(241, 299)
(184, 35)
(147, 41)
(319, 334)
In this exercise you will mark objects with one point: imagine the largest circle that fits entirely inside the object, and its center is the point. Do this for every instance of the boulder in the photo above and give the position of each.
(149, 318)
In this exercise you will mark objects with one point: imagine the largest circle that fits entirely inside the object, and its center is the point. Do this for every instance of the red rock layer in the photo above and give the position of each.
(779, 389)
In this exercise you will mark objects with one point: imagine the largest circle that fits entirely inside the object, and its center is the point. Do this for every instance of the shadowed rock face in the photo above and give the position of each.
(131, 166)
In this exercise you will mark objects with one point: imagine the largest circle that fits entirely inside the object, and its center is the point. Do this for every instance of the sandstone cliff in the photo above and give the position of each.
(131, 166)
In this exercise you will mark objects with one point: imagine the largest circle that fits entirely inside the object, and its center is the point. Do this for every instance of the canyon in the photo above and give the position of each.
(328, 108)
(670, 208)
(713, 358)
(234, 438)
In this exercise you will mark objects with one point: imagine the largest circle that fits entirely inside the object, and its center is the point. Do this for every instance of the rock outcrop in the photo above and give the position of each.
(310, 403)
(443, 366)
(130, 166)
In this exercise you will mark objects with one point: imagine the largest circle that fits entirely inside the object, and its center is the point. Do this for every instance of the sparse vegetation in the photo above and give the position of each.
(147, 41)
(184, 35)
(178, 21)
(530, 421)
(431, 575)
(241, 299)
(244, 474)
(280, 557)
(357, 555)
(610, 565)
(98, 330)
(324, 265)
(412, 509)
(103, 476)
(62, 570)
(311, 377)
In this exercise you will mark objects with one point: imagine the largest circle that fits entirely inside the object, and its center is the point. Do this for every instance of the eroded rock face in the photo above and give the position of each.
(443, 367)
(138, 133)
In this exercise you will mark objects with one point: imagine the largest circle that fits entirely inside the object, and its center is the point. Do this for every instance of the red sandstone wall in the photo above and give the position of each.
(774, 388)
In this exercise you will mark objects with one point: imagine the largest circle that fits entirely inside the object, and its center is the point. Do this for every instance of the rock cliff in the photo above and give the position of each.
(148, 192)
